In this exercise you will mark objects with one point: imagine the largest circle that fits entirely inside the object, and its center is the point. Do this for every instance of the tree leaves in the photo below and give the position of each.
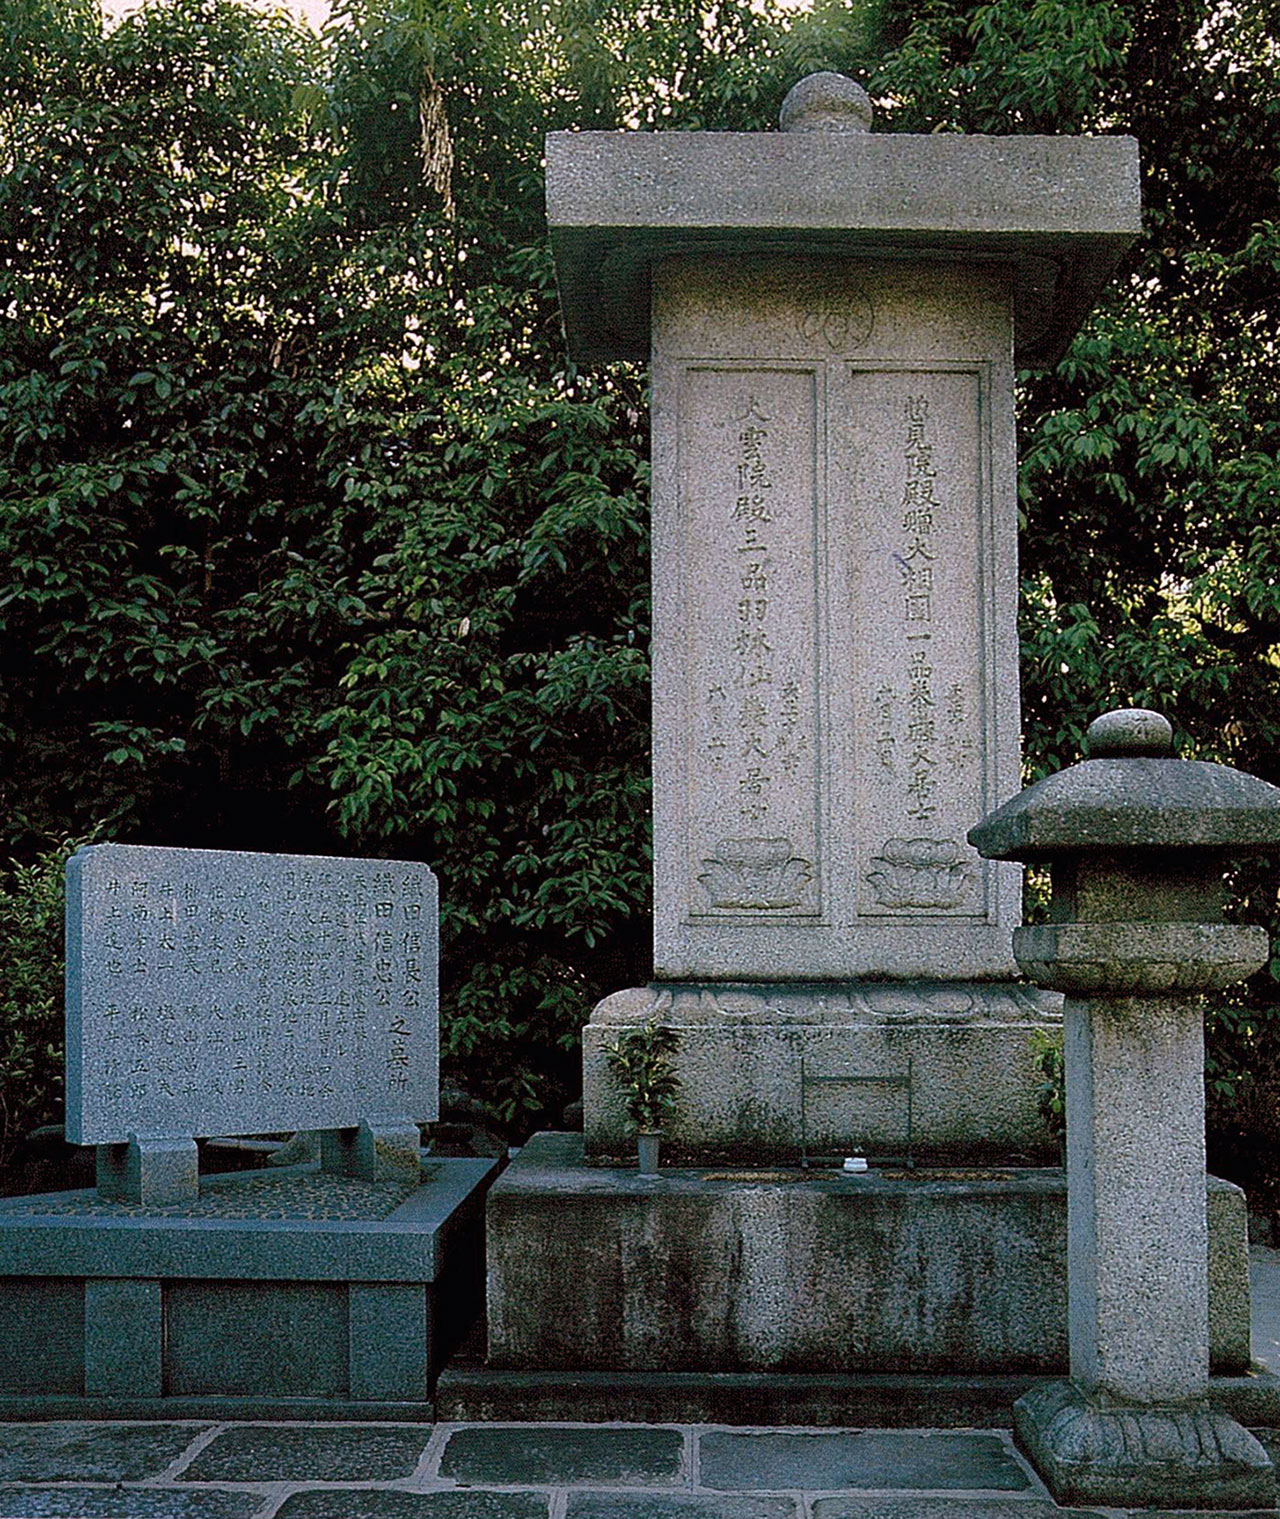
(314, 540)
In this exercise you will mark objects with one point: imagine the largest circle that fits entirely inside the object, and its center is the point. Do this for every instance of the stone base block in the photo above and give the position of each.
(594, 1268)
(376, 1150)
(154, 1170)
(272, 1290)
(944, 1068)
(1191, 1456)
(846, 1400)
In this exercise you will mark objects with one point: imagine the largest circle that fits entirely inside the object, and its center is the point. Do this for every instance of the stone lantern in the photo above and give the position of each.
(1137, 844)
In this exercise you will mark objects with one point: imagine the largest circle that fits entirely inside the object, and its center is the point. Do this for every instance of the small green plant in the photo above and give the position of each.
(1051, 1091)
(640, 1063)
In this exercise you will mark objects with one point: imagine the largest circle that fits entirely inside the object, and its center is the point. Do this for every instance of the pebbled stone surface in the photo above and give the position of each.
(384, 1505)
(335, 1454)
(914, 1460)
(635, 1456)
(70, 1452)
(126, 1503)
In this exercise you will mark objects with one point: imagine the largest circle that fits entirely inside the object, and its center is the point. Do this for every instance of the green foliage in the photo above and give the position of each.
(31, 1024)
(313, 540)
(1051, 1089)
(640, 1063)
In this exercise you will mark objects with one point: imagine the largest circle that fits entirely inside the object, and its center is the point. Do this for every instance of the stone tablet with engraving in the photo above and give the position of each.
(214, 992)
(835, 666)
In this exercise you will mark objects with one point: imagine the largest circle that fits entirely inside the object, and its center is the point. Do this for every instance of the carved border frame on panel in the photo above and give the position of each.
(962, 856)
(759, 877)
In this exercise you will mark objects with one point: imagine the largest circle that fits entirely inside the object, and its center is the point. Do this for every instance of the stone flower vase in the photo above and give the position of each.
(647, 1146)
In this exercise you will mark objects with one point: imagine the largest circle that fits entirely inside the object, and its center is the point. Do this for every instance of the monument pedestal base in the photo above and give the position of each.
(594, 1268)
(1089, 1449)
(277, 1294)
(770, 1073)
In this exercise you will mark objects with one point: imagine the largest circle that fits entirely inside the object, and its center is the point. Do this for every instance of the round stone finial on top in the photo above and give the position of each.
(1130, 733)
(826, 102)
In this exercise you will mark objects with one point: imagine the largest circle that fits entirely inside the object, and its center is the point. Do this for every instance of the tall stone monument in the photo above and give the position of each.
(833, 320)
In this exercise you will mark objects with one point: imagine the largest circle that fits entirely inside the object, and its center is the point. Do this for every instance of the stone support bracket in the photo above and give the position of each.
(380, 1149)
(154, 1170)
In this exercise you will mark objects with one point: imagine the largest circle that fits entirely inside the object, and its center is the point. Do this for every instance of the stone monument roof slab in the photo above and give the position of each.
(1062, 210)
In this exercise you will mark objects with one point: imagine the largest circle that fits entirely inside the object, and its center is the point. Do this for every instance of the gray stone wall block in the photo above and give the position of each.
(899, 1274)
(42, 1338)
(123, 1338)
(269, 1339)
(388, 1349)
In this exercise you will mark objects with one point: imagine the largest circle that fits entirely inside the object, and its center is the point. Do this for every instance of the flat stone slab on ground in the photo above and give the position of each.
(345, 1470)
(561, 1457)
(359, 1453)
(127, 1503)
(75, 1452)
(677, 1506)
(915, 1460)
(396, 1505)
(944, 1508)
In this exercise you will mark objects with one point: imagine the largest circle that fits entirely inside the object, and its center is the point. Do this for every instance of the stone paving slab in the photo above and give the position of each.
(329, 1453)
(947, 1508)
(907, 1460)
(74, 1452)
(529, 1454)
(677, 1506)
(399, 1505)
(83, 1470)
(126, 1503)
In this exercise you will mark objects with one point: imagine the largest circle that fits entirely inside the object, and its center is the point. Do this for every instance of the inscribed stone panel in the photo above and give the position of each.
(748, 445)
(920, 477)
(215, 992)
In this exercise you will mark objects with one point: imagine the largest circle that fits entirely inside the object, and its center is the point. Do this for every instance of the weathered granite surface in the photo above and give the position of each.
(835, 583)
(216, 992)
(945, 1068)
(1057, 212)
(1134, 1423)
(929, 1271)
(1090, 1449)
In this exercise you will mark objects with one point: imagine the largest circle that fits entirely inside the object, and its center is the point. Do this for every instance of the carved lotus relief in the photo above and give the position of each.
(758, 874)
(919, 873)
